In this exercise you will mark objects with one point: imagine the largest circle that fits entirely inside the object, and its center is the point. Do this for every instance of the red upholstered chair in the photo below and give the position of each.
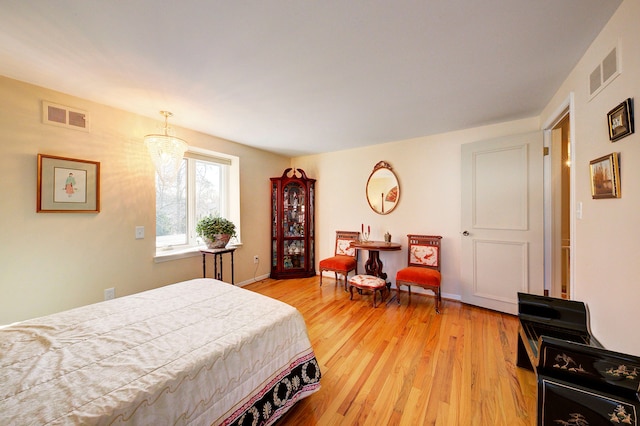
(345, 257)
(424, 266)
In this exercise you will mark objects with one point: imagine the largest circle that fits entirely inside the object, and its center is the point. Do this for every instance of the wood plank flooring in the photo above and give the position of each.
(406, 365)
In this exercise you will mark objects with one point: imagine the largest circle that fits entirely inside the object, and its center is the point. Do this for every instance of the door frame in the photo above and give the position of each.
(567, 106)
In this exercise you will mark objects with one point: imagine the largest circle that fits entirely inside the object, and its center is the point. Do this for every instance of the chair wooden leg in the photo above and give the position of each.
(436, 292)
(384, 293)
(320, 277)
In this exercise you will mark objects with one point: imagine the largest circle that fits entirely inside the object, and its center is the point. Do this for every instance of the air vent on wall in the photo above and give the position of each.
(604, 73)
(63, 116)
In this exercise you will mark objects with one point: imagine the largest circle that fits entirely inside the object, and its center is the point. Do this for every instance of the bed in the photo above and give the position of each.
(198, 352)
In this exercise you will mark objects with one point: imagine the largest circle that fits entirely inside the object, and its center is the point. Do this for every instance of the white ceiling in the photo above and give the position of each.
(303, 77)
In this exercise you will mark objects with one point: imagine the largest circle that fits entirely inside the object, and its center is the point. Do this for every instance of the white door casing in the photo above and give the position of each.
(502, 221)
(555, 285)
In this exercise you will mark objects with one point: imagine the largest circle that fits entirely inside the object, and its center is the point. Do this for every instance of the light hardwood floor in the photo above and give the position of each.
(405, 365)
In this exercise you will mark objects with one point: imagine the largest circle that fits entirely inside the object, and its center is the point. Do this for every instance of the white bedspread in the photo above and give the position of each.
(197, 352)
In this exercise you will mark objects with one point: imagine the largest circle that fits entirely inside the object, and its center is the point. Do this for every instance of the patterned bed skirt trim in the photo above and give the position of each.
(301, 379)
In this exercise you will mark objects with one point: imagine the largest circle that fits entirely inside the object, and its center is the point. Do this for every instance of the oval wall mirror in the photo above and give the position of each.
(383, 190)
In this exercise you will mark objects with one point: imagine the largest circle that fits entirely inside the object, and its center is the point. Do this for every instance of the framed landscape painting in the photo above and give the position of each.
(605, 177)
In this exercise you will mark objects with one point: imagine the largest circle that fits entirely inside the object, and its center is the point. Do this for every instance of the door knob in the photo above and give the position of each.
(465, 233)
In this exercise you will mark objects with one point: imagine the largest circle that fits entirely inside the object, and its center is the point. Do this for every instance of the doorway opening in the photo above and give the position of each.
(561, 208)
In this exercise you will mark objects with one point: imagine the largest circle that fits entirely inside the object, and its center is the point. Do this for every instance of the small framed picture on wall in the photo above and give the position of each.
(621, 120)
(67, 185)
(605, 177)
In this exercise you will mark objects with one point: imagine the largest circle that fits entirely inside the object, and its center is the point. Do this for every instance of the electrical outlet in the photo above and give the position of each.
(109, 293)
(256, 259)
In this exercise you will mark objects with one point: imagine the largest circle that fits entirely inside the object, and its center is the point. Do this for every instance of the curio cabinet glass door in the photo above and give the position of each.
(292, 225)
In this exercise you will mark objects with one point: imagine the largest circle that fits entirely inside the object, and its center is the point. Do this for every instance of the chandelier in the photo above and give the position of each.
(166, 150)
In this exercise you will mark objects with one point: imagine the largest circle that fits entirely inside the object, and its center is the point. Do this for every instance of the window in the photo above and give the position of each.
(206, 183)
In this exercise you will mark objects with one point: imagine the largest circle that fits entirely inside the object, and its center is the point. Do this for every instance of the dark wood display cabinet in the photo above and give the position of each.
(292, 225)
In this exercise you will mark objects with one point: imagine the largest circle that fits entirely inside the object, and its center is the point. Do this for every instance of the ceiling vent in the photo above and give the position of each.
(604, 73)
(64, 116)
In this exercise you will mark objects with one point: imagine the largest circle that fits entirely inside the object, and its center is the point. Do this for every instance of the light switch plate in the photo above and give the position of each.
(139, 232)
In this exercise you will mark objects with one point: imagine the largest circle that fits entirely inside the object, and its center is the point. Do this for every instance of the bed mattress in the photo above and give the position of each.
(198, 352)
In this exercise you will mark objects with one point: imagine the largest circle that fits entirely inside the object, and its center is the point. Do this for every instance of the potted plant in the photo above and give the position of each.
(216, 231)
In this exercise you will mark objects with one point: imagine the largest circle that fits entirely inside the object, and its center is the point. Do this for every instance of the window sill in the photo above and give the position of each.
(168, 255)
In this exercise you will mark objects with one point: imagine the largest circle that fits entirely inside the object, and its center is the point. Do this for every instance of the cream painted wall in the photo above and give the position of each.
(607, 237)
(51, 262)
(428, 169)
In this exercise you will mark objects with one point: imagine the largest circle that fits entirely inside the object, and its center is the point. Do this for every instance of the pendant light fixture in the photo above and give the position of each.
(166, 150)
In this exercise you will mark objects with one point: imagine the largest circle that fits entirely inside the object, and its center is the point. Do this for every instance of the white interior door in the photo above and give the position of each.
(502, 221)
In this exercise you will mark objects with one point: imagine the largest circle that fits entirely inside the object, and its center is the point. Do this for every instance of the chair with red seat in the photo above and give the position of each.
(345, 257)
(423, 268)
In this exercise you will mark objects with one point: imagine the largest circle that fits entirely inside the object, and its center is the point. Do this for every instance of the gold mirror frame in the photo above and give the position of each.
(383, 189)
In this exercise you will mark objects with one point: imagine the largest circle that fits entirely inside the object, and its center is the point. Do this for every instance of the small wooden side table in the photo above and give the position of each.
(373, 266)
(217, 259)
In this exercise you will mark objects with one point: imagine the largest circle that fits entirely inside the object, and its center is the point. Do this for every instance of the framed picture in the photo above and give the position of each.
(605, 177)
(68, 185)
(621, 120)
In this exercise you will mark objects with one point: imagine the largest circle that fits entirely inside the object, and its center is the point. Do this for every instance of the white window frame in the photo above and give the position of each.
(231, 210)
